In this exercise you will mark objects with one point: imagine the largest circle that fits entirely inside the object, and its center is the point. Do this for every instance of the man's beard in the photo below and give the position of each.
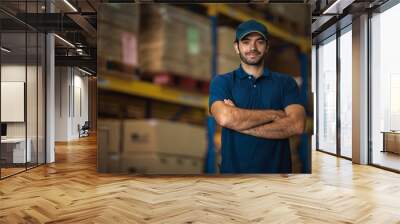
(254, 63)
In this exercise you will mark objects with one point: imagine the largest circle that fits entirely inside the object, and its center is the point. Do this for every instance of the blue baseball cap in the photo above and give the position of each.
(251, 26)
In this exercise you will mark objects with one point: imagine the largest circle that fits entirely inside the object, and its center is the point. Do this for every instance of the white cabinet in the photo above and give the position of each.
(19, 155)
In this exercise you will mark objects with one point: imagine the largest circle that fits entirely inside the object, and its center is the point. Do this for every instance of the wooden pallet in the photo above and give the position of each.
(176, 80)
(117, 68)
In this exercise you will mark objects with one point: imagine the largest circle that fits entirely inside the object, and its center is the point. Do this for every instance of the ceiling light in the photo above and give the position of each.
(338, 6)
(5, 50)
(84, 71)
(70, 5)
(329, 9)
(64, 40)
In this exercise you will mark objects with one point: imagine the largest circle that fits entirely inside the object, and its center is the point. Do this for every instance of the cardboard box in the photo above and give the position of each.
(120, 16)
(279, 61)
(111, 129)
(161, 136)
(117, 32)
(109, 145)
(175, 40)
(226, 38)
(227, 64)
(227, 58)
(157, 163)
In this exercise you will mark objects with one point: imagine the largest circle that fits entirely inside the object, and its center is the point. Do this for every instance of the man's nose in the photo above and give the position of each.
(253, 45)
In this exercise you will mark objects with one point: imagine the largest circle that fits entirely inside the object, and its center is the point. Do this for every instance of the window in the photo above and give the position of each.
(327, 96)
(385, 88)
(346, 92)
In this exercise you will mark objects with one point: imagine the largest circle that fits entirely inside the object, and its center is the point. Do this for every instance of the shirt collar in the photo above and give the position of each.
(243, 74)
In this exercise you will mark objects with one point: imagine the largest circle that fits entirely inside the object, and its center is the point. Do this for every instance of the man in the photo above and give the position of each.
(257, 108)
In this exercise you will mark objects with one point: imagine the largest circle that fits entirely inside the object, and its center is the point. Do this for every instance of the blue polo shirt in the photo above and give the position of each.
(243, 153)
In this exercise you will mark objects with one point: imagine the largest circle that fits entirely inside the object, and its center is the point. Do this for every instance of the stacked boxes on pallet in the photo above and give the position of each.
(163, 147)
(227, 58)
(175, 41)
(117, 42)
(109, 145)
(150, 147)
(279, 61)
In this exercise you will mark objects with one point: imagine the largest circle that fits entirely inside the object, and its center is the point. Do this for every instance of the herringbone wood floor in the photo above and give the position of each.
(71, 191)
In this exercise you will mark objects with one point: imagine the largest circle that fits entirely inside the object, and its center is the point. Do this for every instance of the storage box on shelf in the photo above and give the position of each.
(175, 40)
(108, 145)
(117, 31)
(164, 136)
(226, 64)
(226, 38)
(279, 59)
(163, 147)
(227, 58)
(158, 163)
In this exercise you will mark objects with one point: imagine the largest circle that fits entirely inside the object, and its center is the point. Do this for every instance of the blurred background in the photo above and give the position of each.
(154, 66)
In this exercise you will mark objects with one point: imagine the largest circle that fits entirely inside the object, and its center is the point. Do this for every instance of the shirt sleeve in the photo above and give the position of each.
(291, 92)
(219, 90)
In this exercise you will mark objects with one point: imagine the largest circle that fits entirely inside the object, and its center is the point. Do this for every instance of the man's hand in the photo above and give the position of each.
(229, 102)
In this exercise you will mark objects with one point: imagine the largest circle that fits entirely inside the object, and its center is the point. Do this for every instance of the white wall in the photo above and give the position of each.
(61, 103)
(71, 94)
(13, 72)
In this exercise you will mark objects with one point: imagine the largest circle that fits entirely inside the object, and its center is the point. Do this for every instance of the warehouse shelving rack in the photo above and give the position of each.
(153, 91)
(199, 100)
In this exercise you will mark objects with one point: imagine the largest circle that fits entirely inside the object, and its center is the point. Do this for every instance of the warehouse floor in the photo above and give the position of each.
(71, 191)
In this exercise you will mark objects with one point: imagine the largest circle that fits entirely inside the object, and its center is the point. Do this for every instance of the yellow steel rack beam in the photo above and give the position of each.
(215, 8)
(153, 91)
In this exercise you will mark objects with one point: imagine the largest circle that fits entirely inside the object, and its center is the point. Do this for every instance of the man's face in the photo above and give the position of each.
(252, 49)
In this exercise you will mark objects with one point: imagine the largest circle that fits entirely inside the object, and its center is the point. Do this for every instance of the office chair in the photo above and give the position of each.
(84, 130)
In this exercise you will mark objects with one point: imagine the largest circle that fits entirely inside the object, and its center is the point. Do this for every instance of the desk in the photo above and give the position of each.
(16, 147)
(391, 141)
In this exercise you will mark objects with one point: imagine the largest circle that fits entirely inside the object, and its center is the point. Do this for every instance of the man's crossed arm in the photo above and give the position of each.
(272, 124)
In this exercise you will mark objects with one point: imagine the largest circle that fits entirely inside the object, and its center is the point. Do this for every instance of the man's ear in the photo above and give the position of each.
(236, 46)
